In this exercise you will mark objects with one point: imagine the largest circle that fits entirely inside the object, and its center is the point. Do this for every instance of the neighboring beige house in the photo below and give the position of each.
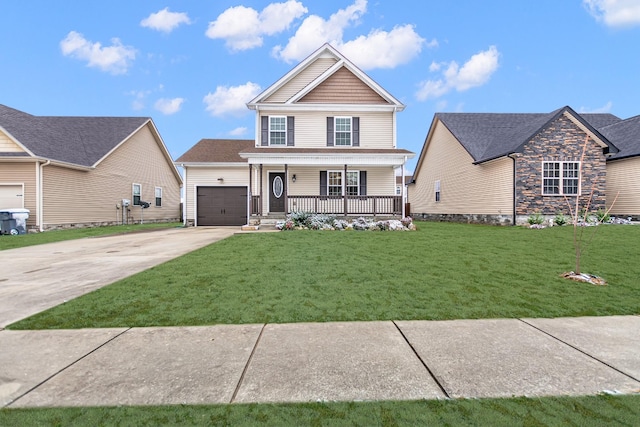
(502, 168)
(325, 142)
(76, 171)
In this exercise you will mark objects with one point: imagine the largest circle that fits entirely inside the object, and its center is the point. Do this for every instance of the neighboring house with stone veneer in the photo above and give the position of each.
(325, 142)
(75, 171)
(502, 168)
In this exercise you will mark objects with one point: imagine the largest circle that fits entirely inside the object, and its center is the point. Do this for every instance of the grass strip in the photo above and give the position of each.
(547, 411)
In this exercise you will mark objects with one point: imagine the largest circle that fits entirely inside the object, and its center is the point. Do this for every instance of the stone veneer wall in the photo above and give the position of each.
(561, 140)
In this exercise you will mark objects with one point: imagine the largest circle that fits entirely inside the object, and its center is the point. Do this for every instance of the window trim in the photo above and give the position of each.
(343, 183)
(336, 131)
(133, 194)
(284, 131)
(158, 199)
(561, 178)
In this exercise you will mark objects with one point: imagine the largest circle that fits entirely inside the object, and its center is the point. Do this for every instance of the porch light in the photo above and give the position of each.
(293, 178)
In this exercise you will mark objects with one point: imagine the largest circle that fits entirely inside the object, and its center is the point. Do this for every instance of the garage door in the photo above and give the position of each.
(11, 196)
(222, 206)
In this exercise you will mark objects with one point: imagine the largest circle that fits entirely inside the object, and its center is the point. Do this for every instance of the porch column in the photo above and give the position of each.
(344, 190)
(286, 189)
(250, 190)
(403, 194)
(261, 193)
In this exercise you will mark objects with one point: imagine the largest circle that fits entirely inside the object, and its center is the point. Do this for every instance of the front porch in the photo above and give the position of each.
(336, 205)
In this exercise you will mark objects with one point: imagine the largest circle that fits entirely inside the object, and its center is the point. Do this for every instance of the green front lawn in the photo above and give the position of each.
(441, 271)
(547, 411)
(22, 240)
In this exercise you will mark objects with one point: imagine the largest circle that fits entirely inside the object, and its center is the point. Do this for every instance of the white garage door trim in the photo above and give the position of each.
(11, 195)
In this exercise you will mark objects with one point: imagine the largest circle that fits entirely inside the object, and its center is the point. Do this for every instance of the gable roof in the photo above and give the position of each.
(81, 141)
(216, 151)
(626, 136)
(488, 136)
(339, 65)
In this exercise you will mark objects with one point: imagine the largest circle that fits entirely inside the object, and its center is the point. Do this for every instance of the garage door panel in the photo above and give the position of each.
(11, 196)
(221, 206)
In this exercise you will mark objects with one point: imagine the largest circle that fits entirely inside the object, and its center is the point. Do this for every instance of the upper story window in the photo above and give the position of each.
(343, 131)
(560, 178)
(277, 130)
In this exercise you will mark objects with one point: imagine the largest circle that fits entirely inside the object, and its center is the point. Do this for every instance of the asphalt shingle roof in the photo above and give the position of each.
(625, 134)
(217, 151)
(487, 136)
(77, 140)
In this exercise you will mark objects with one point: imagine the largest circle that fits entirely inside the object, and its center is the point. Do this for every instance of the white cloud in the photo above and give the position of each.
(114, 59)
(378, 49)
(168, 106)
(606, 108)
(614, 13)
(165, 21)
(238, 131)
(231, 100)
(139, 97)
(243, 27)
(475, 72)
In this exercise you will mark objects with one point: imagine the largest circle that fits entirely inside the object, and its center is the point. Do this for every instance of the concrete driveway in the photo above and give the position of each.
(38, 277)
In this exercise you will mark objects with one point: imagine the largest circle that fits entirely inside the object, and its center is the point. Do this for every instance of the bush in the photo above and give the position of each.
(536, 219)
(560, 219)
(603, 216)
(310, 221)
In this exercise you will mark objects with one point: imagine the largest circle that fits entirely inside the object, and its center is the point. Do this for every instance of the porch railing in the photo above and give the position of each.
(335, 205)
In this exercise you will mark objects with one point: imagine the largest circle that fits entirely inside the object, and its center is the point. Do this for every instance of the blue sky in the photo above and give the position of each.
(191, 65)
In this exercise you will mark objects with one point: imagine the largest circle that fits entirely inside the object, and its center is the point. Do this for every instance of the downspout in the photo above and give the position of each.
(512, 157)
(40, 198)
(184, 196)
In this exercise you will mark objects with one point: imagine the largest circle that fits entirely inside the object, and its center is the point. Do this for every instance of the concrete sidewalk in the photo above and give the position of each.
(401, 360)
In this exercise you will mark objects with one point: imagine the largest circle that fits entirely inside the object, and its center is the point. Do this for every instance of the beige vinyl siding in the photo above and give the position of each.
(300, 81)
(464, 188)
(82, 197)
(343, 87)
(208, 177)
(623, 180)
(25, 174)
(7, 145)
(376, 128)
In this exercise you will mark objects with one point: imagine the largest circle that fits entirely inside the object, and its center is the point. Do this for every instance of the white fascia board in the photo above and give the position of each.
(318, 160)
(212, 164)
(329, 107)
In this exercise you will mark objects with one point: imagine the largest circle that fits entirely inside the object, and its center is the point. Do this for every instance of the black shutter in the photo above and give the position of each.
(329, 131)
(290, 131)
(363, 183)
(265, 130)
(323, 183)
(355, 131)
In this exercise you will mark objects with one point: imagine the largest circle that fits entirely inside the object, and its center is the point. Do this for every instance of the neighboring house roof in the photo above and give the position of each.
(487, 136)
(338, 67)
(216, 151)
(82, 141)
(625, 134)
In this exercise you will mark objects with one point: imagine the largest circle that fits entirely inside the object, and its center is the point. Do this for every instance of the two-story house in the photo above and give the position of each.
(325, 142)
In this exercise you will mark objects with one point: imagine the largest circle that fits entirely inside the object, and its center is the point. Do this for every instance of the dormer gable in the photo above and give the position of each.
(343, 87)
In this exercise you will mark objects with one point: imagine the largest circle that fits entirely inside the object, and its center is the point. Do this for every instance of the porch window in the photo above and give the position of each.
(560, 178)
(158, 196)
(136, 191)
(353, 184)
(277, 130)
